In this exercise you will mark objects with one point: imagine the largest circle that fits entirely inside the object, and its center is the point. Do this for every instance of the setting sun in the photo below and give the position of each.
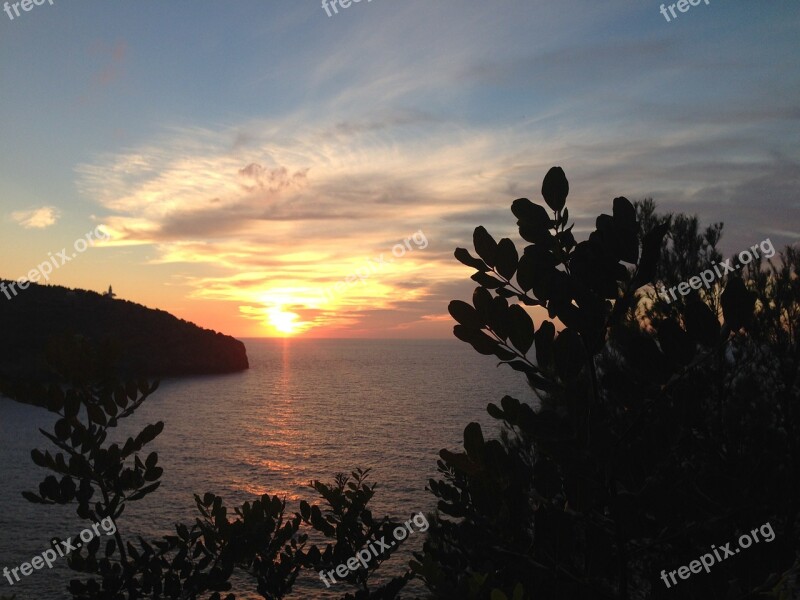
(284, 322)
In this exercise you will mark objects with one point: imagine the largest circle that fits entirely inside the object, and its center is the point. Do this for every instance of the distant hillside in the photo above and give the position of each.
(151, 343)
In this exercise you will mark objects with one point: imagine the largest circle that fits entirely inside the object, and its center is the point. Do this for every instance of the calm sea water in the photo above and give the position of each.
(305, 410)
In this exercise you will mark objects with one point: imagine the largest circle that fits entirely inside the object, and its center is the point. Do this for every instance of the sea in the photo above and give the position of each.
(306, 410)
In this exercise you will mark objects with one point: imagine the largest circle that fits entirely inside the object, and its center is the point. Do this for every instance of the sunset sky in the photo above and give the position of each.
(246, 156)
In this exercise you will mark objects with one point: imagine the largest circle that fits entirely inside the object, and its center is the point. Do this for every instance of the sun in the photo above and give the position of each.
(281, 312)
(284, 322)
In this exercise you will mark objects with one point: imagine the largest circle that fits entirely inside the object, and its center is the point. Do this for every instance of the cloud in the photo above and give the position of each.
(37, 218)
(298, 209)
(270, 181)
(443, 137)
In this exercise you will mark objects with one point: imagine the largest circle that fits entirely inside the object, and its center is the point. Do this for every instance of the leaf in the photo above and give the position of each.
(31, 497)
(149, 433)
(651, 249)
(525, 274)
(153, 473)
(626, 230)
(473, 441)
(624, 213)
(495, 411)
(66, 489)
(151, 460)
(545, 282)
(482, 343)
(464, 257)
(132, 390)
(482, 301)
(109, 406)
(38, 458)
(525, 210)
(498, 317)
(537, 272)
(506, 293)
(120, 397)
(536, 231)
(507, 258)
(465, 314)
(532, 373)
(522, 366)
(49, 488)
(62, 429)
(521, 331)
(605, 224)
(555, 188)
(485, 245)
(144, 491)
(503, 354)
(96, 414)
(487, 280)
(591, 265)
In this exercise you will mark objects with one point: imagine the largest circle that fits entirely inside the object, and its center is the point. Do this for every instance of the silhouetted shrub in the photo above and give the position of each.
(654, 433)
(260, 538)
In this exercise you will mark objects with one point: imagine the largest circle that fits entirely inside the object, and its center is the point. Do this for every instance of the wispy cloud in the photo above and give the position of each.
(36, 218)
(348, 145)
(290, 212)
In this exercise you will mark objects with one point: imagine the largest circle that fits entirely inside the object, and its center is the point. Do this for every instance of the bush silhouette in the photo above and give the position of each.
(260, 539)
(655, 433)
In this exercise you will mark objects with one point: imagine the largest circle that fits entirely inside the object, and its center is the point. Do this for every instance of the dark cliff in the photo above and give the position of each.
(147, 342)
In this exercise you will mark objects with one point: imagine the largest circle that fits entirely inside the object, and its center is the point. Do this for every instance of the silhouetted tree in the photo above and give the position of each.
(649, 441)
(686, 251)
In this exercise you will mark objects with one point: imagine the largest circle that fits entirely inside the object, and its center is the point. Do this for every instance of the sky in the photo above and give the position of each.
(263, 169)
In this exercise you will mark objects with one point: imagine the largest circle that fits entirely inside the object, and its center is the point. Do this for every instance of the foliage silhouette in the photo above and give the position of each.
(655, 433)
(261, 539)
